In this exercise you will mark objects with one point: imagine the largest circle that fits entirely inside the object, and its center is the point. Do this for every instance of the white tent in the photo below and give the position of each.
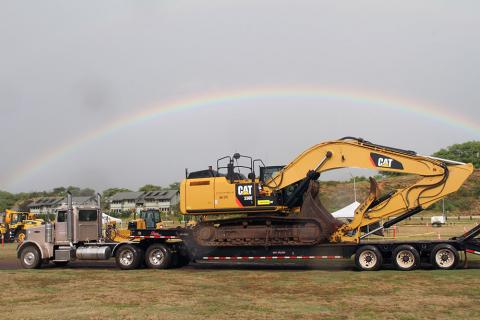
(346, 212)
(106, 218)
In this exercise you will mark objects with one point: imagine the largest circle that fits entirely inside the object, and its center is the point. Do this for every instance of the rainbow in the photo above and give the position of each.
(243, 95)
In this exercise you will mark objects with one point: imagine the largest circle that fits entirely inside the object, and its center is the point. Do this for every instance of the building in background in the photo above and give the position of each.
(163, 200)
(124, 201)
(46, 205)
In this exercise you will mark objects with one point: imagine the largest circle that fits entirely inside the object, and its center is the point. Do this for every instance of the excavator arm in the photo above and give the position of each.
(439, 178)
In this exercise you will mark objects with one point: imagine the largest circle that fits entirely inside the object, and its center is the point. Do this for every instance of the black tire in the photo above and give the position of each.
(368, 258)
(158, 256)
(30, 258)
(406, 258)
(128, 257)
(444, 256)
(60, 263)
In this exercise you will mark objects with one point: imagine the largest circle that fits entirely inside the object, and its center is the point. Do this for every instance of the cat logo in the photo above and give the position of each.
(244, 190)
(382, 161)
(245, 195)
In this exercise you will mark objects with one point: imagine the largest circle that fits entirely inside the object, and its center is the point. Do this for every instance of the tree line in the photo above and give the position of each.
(463, 152)
(20, 201)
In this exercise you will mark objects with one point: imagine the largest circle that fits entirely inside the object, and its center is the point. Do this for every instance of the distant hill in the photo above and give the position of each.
(336, 195)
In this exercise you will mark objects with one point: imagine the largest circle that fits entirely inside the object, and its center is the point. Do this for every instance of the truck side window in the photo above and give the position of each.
(61, 216)
(87, 215)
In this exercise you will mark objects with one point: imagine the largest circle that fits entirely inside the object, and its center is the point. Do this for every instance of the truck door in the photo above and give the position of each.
(61, 226)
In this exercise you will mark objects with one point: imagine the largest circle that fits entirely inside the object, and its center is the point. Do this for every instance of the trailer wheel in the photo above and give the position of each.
(368, 258)
(30, 258)
(128, 257)
(406, 258)
(444, 256)
(158, 256)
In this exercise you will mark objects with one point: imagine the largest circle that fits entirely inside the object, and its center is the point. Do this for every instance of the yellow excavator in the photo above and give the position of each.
(13, 224)
(281, 203)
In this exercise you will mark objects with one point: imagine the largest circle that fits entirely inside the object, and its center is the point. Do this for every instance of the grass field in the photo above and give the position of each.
(315, 291)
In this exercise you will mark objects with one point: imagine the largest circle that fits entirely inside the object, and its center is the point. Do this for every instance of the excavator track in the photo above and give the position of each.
(258, 231)
(314, 225)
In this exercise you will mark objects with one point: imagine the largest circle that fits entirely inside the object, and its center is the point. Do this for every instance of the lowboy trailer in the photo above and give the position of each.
(369, 255)
(77, 235)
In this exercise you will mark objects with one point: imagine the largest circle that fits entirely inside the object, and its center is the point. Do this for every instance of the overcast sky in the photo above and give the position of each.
(67, 68)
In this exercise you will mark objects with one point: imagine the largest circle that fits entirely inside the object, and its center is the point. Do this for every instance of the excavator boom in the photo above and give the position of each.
(439, 177)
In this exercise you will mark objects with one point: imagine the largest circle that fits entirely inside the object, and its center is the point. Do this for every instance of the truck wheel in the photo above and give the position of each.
(30, 258)
(368, 258)
(158, 256)
(128, 257)
(406, 258)
(444, 256)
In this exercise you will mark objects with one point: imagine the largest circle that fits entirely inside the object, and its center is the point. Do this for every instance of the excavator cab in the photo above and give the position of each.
(232, 188)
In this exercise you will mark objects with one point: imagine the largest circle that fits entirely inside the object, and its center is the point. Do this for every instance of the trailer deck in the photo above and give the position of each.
(387, 249)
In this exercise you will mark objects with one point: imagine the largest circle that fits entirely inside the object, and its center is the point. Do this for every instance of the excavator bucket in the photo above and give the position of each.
(313, 208)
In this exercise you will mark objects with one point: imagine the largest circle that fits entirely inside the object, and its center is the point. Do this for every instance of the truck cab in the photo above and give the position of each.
(76, 233)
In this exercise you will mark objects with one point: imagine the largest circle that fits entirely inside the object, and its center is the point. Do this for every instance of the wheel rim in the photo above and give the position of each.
(156, 257)
(444, 258)
(405, 259)
(126, 257)
(29, 258)
(368, 259)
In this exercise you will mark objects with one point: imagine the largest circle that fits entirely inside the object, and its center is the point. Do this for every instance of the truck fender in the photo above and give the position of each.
(117, 246)
(44, 252)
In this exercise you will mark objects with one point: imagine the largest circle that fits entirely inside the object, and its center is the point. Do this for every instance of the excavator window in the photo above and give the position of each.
(151, 217)
(266, 173)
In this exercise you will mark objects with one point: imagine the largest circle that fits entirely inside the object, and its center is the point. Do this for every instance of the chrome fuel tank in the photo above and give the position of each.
(93, 253)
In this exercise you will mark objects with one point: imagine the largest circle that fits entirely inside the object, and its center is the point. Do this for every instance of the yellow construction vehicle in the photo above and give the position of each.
(13, 224)
(149, 219)
(280, 204)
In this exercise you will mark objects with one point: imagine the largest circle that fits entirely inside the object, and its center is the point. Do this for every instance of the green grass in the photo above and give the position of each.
(8, 252)
(239, 294)
(243, 293)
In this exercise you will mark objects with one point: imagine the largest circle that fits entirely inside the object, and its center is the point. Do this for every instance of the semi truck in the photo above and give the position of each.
(273, 213)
